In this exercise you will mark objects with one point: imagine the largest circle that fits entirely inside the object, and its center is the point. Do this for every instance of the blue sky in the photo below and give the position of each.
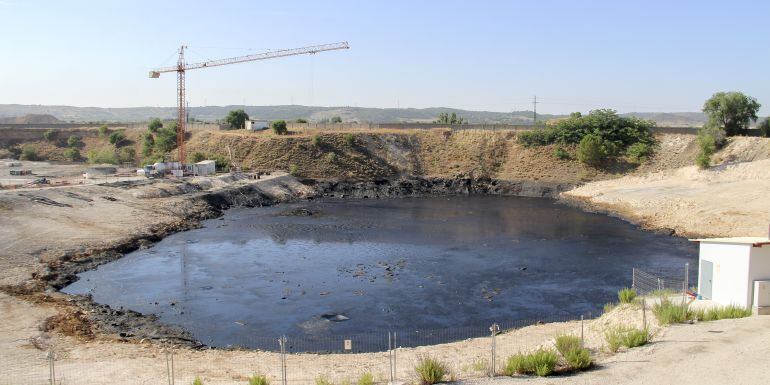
(481, 55)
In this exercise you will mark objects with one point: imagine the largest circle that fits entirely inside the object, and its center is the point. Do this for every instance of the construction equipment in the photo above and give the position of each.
(182, 66)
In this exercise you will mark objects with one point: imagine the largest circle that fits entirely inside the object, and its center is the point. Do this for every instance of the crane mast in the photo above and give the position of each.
(182, 67)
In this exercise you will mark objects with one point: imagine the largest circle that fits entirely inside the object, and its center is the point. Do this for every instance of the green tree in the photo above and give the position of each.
(236, 119)
(72, 154)
(117, 138)
(49, 135)
(279, 127)
(148, 142)
(336, 119)
(446, 118)
(764, 128)
(300, 120)
(591, 150)
(73, 141)
(154, 125)
(731, 111)
(28, 153)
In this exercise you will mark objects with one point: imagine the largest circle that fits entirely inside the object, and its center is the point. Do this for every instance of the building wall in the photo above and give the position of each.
(731, 272)
(759, 267)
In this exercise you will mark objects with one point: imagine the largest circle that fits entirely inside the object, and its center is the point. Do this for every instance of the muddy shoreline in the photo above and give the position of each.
(96, 320)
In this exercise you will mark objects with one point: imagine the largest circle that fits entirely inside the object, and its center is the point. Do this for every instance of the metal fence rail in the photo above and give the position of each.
(646, 283)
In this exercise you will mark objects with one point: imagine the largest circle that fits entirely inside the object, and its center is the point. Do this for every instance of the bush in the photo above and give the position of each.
(197, 156)
(222, 162)
(540, 362)
(321, 380)
(710, 139)
(336, 119)
(197, 381)
(165, 139)
(626, 295)
(103, 130)
(639, 152)
(293, 169)
(537, 137)
(315, 140)
(366, 379)
(148, 143)
(72, 153)
(591, 150)
(102, 155)
(154, 125)
(117, 137)
(279, 127)
(430, 370)
(725, 312)
(300, 120)
(567, 343)
(258, 379)
(764, 128)
(28, 153)
(73, 141)
(350, 139)
(669, 313)
(560, 153)
(127, 155)
(608, 307)
(578, 359)
(331, 157)
(49, 135)
(626, 336)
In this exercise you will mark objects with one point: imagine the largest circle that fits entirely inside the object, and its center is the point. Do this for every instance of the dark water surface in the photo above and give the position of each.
(421, 263)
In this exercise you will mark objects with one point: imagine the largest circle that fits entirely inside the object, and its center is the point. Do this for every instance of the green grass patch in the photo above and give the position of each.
(725, 312)
(669, 313)
(430, 370)
(578, 359)
(541, 362)
(626, 295)
(197, 381)
(626, 336)
(567, 343)
(258, 379)
(609, 306)
(366, 379)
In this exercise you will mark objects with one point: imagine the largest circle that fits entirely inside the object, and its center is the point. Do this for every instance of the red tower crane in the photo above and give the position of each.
(181, 67)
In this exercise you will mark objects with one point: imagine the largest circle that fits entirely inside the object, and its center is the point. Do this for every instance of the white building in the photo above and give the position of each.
(205, 167)
(735, 271)
(256, 125)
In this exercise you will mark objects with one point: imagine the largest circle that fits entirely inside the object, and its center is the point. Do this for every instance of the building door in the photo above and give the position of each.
(706, 279)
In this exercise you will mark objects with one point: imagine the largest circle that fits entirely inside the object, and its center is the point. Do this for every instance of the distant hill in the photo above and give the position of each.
(312, 113)
(30, 119)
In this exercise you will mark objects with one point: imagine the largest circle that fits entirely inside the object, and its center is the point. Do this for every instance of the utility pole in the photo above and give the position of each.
(534, 109)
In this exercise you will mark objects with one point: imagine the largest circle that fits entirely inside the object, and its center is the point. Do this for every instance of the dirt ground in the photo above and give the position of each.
(726, 200)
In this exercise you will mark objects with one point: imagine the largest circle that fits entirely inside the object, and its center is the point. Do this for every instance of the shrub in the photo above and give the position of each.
(279, 127)
(165, 139)
(609, 306)
(764, 128)
(578, 359)
(625, 336)
(197, 156)
(626, 295)
(300, 120)
(258, 379)
(669, 313)
(102, 155)
(366, 379)
(639, 152)
(321, 380)
(710, 139)
(49, 135)
(315, 140)
(154, 125)
(430, 370)
(591, 150)
(560, 153)
(293, 169)
(127, 155)
(197, 381)
(567, 343)
(73, 141)
(148, 142)
(725, 312)
(540, 362)
(331, 157)
(28, 153)
(537, 137)
(117, 137)
(72, 153)
(350, 139)
(103, 130)
(336, 119)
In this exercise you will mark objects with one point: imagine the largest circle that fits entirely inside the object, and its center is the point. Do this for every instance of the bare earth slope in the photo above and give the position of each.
(726, 200)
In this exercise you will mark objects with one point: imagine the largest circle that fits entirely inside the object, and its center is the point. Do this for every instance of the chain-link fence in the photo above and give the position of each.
(647, 283)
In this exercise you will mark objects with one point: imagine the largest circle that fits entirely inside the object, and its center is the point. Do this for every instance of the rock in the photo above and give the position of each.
(334, 317)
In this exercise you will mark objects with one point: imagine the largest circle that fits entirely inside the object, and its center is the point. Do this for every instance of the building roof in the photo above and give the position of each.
(753, 241)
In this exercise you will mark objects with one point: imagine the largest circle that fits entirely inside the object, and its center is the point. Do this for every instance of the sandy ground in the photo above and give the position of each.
(725, 200)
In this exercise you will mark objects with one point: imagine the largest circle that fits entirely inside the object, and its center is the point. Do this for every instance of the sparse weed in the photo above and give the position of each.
(315, 140)
(578, 359)
(430, 370)
(725, 312)
(609, 306)
(540, 362)
(567, 343)
(197, 381)
(516, 364)
(258, 379)
(669, 313)
(366, 379)
(321, 380)
(625, 336)
(293, 169)
(626, 295)
(349, 139)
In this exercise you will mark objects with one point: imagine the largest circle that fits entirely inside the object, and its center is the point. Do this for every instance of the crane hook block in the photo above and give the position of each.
(154, 74)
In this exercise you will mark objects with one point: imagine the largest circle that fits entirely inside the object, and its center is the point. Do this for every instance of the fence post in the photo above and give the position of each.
(633, 278)
(582, 339)
(644, 314)
(390, 358)
(282, 345)
(686, 276)
(51, 367)
(170, 365)
(495, 328)
(395, 349)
